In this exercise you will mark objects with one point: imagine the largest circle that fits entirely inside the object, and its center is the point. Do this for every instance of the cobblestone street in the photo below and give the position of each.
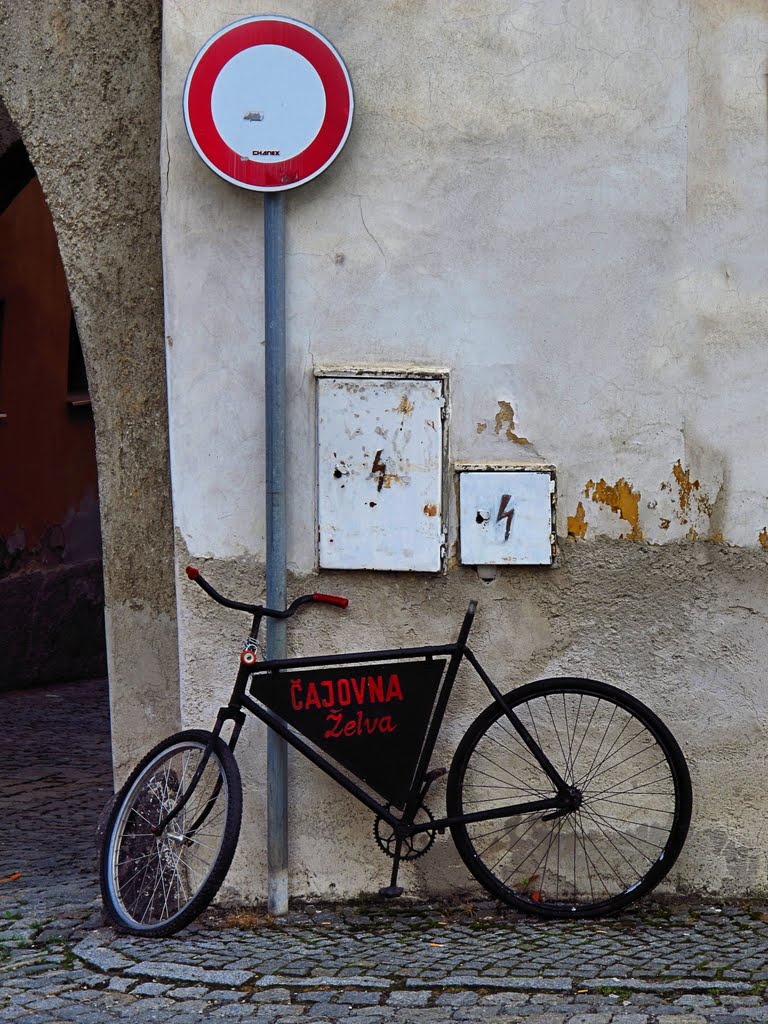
(691, 962)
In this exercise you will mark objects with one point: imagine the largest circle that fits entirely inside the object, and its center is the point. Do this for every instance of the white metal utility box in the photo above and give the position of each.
(507, 514)
(381, 456)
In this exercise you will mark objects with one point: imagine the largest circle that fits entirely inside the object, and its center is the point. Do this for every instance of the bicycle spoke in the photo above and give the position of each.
(532, 875)
(607, 767)
(603, 824)
(557, 734)
(506, 829)
(589, 862)
(522, 784)
(525, 758)
(611, 866)
(623, 782)
(638, 807)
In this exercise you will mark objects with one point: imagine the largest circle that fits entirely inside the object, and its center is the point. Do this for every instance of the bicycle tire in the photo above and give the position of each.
(154, 885)
(635, 793)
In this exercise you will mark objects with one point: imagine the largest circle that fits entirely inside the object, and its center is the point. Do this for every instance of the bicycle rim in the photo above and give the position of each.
(156, 883)
(634, 800)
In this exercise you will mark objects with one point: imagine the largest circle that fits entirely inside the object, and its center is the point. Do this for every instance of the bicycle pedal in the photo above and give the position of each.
(391, 892)
(429, 778)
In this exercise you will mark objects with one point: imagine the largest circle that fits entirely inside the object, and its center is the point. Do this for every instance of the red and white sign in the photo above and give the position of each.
(268, 103)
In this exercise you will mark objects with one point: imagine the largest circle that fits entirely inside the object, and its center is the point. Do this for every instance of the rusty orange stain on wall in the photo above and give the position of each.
(406, 407)
(430, 510)
(689, 490)
(686, 486)
(577, 525)
(691, 499)
(763, 537)
(621, 499)
(506, 415)
(683, 477)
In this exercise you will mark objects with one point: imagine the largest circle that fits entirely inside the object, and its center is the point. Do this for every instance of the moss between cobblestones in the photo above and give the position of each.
(613, 990)
(29, 941)
(70, 960)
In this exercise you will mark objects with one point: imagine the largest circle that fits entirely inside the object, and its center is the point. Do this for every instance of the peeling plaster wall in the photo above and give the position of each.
(82, 83)
(565, 204)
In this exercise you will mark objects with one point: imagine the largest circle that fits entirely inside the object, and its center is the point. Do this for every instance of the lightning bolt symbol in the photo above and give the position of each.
(505, 513)
(380, 468)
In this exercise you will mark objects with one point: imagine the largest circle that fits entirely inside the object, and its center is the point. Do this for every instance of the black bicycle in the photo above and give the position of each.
(565, 798)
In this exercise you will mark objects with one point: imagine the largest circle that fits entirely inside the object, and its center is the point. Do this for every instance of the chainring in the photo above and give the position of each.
(414, 846)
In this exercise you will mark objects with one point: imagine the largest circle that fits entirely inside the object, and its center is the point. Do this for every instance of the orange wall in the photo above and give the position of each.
(47, 453)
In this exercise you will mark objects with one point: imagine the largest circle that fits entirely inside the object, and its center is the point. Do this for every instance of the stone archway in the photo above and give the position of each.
(82, 84)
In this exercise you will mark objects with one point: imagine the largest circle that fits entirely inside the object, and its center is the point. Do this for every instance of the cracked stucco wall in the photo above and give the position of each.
(82, 83)
(565, 204)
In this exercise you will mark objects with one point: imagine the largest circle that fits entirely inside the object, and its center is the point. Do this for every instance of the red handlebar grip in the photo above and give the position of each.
(342, 602)
(193, 572)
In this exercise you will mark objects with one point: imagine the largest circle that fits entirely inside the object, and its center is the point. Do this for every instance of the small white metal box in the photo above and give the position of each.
(380, 472)
(507, 515)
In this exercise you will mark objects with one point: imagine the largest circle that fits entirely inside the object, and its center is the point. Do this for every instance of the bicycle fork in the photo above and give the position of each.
(225, 714)
(232, 712)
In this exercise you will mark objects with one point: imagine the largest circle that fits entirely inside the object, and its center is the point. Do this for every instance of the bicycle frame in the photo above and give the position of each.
(404, 824)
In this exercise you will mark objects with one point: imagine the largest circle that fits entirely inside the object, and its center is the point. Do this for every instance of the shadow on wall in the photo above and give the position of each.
(51, 587)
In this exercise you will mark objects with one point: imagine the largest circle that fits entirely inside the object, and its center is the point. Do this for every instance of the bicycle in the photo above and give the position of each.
(566, 797)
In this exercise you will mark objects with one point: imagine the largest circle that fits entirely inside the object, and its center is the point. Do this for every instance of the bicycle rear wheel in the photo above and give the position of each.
(633, 799)
(154, 884)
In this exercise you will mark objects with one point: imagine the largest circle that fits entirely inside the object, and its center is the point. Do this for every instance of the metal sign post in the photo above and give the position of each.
(274, 374)
(268, 106)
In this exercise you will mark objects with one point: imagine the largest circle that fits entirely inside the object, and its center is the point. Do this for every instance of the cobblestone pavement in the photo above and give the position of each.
(688, 962)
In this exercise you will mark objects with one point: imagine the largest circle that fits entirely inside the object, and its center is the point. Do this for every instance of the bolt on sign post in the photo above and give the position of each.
(268, 106)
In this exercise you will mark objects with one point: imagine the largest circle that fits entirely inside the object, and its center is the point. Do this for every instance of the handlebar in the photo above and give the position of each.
(256, 609)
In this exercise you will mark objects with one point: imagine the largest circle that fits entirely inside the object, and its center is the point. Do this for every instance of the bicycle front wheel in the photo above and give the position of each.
(631, 807)
(154, 883)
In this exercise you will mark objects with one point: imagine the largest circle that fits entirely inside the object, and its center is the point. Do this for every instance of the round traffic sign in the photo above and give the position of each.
(268, 103)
